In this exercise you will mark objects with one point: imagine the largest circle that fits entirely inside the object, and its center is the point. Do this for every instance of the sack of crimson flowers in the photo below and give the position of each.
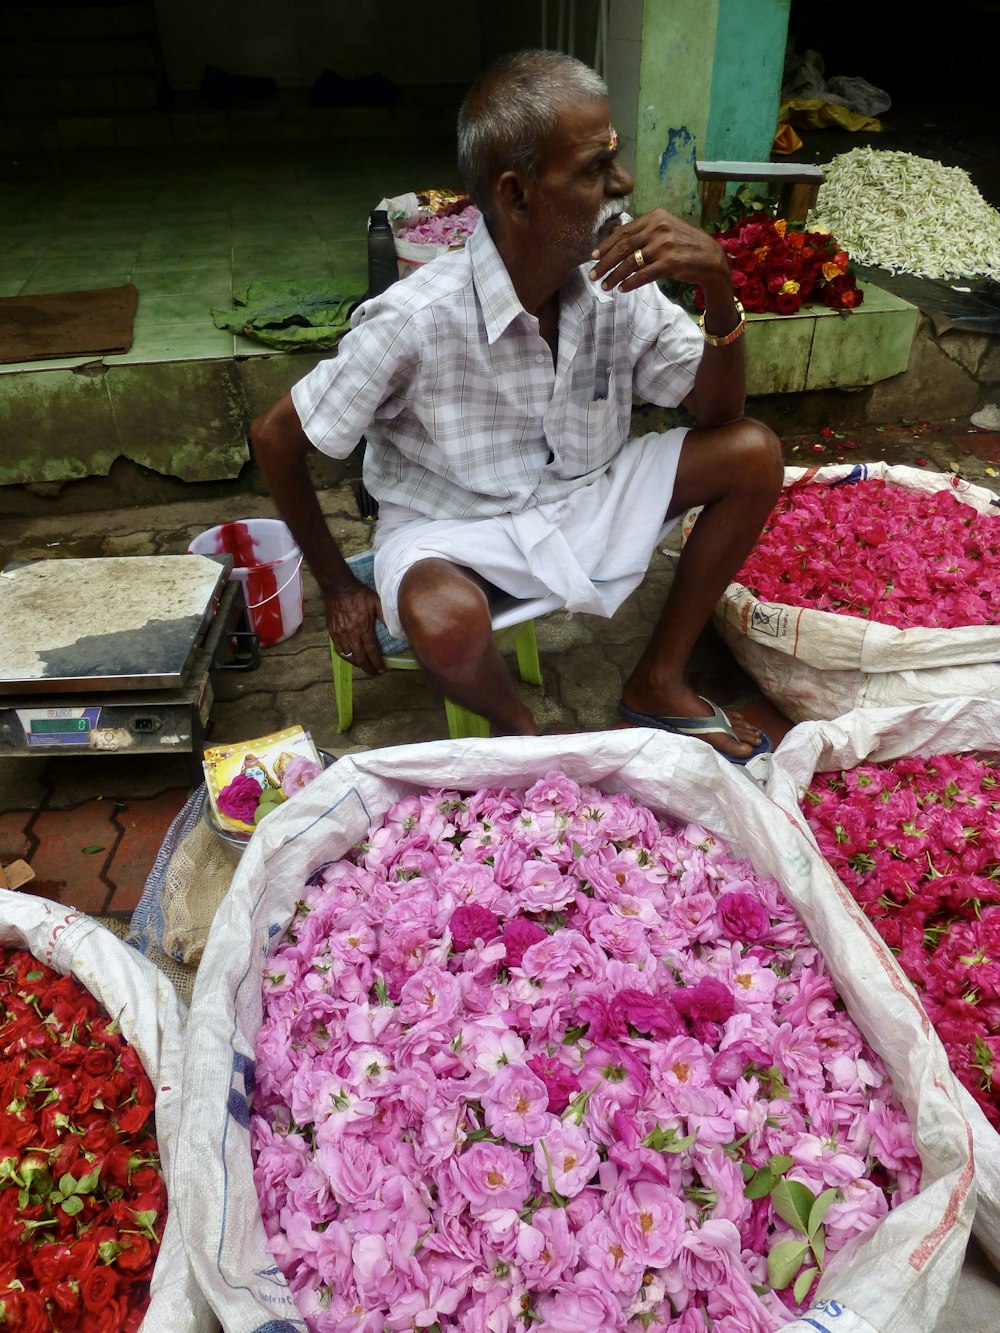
(557, 1034)
(90, 1065)
(904, 804)
(871, 586)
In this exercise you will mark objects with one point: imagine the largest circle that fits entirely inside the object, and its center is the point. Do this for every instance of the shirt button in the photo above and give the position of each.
(540, 357)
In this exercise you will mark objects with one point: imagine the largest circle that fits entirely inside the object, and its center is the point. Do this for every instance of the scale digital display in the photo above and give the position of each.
(57, 726)
(48, 726)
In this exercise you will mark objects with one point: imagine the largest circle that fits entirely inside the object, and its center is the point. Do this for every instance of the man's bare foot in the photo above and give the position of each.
(686, 704)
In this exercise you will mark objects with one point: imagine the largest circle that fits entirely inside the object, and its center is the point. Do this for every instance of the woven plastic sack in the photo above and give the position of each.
(189, 878)
(817, 664)
(896, 1281)
(878, 735)
(151, 1020)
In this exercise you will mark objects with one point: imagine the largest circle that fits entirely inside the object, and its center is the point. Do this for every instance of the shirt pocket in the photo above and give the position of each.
(588, 433)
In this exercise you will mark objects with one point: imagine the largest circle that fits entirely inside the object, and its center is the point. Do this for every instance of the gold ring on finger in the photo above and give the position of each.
(639, 261)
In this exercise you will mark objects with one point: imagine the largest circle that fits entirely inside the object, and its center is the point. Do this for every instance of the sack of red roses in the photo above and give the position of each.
(559, 1033)
(905, 805)
(871, 586)
(88, 1241)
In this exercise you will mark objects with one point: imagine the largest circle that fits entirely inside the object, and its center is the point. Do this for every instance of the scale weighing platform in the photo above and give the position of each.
(114, 655)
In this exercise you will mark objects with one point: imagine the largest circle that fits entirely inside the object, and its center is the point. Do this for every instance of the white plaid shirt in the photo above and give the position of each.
(465, 415)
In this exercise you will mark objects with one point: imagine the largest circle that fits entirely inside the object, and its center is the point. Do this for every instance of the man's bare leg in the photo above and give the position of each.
(735, 471)
(446, 616)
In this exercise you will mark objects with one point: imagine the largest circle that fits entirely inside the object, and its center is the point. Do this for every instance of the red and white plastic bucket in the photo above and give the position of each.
(268, 563)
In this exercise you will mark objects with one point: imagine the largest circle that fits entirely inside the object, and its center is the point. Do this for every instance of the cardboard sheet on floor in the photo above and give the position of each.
(61, 324)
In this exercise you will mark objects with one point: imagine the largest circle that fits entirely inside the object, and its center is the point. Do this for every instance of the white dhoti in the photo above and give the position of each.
(589, 550)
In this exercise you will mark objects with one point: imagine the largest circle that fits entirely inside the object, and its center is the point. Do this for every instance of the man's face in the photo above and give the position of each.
(583, 187)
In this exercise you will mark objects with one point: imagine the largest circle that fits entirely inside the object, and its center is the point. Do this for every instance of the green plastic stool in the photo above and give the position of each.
(461, 721)
(513, 627)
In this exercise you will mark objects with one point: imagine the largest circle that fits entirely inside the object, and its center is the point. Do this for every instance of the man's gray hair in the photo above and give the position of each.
(510, 111)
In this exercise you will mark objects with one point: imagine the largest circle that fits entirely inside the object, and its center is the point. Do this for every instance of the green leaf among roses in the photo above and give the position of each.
(804, 1211)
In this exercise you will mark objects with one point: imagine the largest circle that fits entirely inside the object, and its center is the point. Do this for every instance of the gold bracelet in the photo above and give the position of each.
(726, 338)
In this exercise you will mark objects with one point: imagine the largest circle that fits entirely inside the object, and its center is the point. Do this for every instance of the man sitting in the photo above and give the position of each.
(495, 389)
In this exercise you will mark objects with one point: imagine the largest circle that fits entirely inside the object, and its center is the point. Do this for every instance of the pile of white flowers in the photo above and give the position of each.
(909, 215)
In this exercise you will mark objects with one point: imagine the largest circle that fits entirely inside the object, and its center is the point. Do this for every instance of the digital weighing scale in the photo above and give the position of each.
(114, 655)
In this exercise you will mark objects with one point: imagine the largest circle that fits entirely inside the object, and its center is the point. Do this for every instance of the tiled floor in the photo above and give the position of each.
(189, 226)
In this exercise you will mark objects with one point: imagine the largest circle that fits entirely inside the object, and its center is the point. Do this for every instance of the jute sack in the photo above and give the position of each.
(188, 880)
(151, 1019)
(876, 735)
(898, 1280)
(818, 664)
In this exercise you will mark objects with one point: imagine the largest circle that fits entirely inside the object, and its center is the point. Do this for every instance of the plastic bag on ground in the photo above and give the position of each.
(818, 664)
(898, 1280)
(878, 735)
(151, 1019)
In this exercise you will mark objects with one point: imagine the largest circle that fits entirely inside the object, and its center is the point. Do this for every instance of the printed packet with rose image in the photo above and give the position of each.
(246, 780)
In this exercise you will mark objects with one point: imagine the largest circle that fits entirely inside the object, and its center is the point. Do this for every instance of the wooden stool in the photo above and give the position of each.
(799, 185)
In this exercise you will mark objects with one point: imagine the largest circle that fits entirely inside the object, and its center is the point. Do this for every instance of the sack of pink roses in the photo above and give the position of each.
(904, 803)
(529, 980)
(74, 1139)
(867, 589)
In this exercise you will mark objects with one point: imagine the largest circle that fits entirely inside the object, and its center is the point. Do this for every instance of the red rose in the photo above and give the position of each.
(98, 1287)
(137, 1254)
(109, 1319)
(51, 1263)
(754, 297)
(98, 1061)
(134, 1118)
(24, 1310)
(66, 1296)
(787, 303)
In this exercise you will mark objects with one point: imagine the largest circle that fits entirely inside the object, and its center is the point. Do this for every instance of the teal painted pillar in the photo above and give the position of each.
(747, 72)
(708, 86)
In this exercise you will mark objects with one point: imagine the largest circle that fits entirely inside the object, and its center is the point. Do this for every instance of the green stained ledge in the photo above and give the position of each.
(819, 348)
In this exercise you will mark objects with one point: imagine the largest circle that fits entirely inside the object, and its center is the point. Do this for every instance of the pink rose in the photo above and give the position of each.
(730, 1065)
(470, 923)
(299, 772)
(711, 1001)
(239, 799)
(652, 1015)
(560, 1081)
(742, 917)
(491, 1176)
(518, 935)
(515, 1105)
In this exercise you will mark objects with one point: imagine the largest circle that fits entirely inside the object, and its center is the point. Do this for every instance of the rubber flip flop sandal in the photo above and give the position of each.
(756, 764)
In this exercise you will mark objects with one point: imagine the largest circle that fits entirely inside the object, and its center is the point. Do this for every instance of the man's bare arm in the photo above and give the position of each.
(673, 248)
(281, 448)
